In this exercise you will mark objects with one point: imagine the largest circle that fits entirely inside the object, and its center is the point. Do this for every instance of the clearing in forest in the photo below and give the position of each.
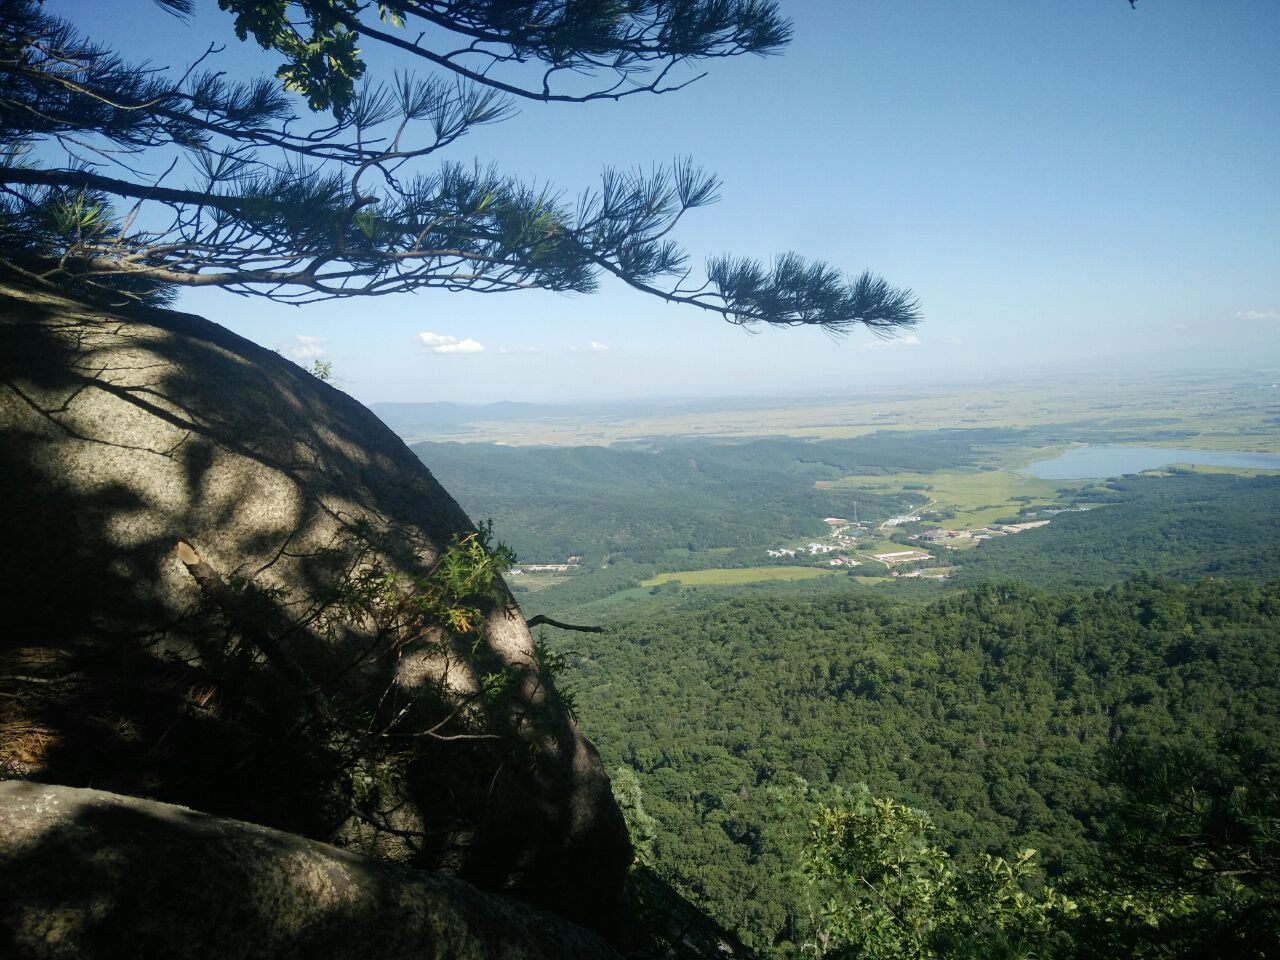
(710, 578)
(975, 497)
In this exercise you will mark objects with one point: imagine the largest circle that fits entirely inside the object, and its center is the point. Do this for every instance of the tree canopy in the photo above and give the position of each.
(1128, 734)
(298, 206)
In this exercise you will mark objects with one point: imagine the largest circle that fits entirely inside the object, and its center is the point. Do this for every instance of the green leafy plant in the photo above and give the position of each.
(894, 894)
(641, 826)
(552, 665)
(321, 369)
(465, 582)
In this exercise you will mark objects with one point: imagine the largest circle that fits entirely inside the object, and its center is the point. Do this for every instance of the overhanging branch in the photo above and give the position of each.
(543, 619)
(84, 180)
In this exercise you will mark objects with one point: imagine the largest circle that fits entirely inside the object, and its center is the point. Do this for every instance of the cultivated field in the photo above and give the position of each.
(1218, 411)
(978, 497)
(1238, 471)
(739, 575)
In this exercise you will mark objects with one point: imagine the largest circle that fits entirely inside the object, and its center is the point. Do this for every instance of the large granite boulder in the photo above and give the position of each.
(87, 875)
(231, 587)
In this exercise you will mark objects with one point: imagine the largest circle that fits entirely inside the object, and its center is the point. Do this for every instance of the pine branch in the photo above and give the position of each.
(338, 211)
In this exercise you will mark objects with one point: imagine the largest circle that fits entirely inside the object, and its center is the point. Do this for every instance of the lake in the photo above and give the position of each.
(1086, 463)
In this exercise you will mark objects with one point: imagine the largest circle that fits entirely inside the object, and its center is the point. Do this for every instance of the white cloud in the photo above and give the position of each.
(910, 340)
(464, 346)
(439, 343)
(593, 347)
(1269, 315)
(305, 348)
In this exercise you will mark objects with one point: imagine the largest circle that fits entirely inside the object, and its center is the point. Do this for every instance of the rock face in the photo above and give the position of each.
(87, 875)
(316, 664)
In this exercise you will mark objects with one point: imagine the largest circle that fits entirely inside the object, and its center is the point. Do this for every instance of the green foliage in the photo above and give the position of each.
(641, 501)
(992, 709)
(1192, 855)
(1184, 526)
(52, 222)
(371, 782)
(1192, 807)
(319, 37)
(359, 746)
(268, 203)
(897, 895)
(640, 825)
(464, 583)
(321, 369)
(552, 667)
(322, 66)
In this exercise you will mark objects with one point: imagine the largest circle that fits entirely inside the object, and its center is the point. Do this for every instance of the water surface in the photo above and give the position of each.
(1089, 463)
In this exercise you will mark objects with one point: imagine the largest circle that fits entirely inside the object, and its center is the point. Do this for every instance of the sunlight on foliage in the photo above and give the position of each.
(894, 894)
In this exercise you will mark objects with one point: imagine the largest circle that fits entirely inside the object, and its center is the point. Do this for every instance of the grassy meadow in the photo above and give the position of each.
(978, 497)
(734, 576)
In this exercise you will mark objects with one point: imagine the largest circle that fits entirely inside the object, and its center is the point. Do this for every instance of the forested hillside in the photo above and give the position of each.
(638, 501)
(1186, 525)
(994, 710)
(772, 742)
(669, 501)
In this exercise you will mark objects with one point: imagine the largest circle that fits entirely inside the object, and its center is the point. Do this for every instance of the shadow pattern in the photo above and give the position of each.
(126, 431)
(94, 875)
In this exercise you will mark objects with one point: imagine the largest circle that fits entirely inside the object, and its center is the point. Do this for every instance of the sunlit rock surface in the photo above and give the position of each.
(86, 874)
(126, 431)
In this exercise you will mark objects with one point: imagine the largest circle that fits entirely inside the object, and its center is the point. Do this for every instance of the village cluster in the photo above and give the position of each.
(843, 538)
(571, 563)
(845, 534)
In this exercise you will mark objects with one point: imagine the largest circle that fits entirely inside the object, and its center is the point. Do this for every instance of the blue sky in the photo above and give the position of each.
(1065, 186)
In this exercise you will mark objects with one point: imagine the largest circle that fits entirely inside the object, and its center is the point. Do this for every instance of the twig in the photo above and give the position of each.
(541, 619)
(65, 678)
(216, 589)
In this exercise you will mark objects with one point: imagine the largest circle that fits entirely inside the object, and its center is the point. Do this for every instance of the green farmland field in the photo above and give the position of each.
(727, 577)
(978, 497)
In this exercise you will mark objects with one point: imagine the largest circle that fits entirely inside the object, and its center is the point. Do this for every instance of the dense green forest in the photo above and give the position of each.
(638, 501)
(1184, 525)
(705, 503)
(996, 711)
(860, 767)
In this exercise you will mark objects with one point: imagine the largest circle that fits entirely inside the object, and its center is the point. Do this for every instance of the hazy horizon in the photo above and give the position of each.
(920, 380)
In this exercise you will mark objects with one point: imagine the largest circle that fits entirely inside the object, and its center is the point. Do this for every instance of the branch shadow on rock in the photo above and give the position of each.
(95, 875)
(128, 431)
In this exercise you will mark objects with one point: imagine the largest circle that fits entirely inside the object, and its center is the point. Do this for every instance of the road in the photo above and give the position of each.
(923, 506)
